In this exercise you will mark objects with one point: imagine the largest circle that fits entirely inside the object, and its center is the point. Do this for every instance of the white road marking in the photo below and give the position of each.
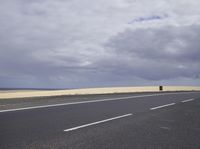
(98, 122)
(158, 107)
(91, 101)
(187, 100)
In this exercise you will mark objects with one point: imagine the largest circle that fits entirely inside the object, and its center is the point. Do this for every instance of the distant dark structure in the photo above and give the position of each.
(160, 88)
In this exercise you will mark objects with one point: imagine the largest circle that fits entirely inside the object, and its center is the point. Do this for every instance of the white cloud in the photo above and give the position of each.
(55, 39)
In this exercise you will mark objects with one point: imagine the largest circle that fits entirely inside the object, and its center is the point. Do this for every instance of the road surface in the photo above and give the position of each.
(132, 121)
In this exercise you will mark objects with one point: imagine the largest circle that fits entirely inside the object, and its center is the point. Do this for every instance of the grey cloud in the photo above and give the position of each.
(172, 43)
(158, 53)
(75, 43)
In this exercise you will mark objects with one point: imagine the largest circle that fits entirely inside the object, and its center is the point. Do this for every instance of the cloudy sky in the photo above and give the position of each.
(96, 43)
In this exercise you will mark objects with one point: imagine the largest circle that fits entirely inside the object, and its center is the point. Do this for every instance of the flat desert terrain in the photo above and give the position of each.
(43, 93)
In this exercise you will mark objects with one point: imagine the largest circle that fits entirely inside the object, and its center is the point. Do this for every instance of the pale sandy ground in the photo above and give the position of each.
(14, 91)
(23, 94)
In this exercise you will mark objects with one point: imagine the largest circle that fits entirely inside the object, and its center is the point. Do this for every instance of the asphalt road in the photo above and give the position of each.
(128, 121)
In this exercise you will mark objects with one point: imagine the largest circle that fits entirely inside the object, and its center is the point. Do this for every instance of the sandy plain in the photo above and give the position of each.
(85, 91)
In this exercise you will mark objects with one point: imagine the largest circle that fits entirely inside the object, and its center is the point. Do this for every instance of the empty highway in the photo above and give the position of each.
(168, 120)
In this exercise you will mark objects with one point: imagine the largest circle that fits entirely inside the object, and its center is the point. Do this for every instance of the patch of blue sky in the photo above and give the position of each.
(148, 18)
